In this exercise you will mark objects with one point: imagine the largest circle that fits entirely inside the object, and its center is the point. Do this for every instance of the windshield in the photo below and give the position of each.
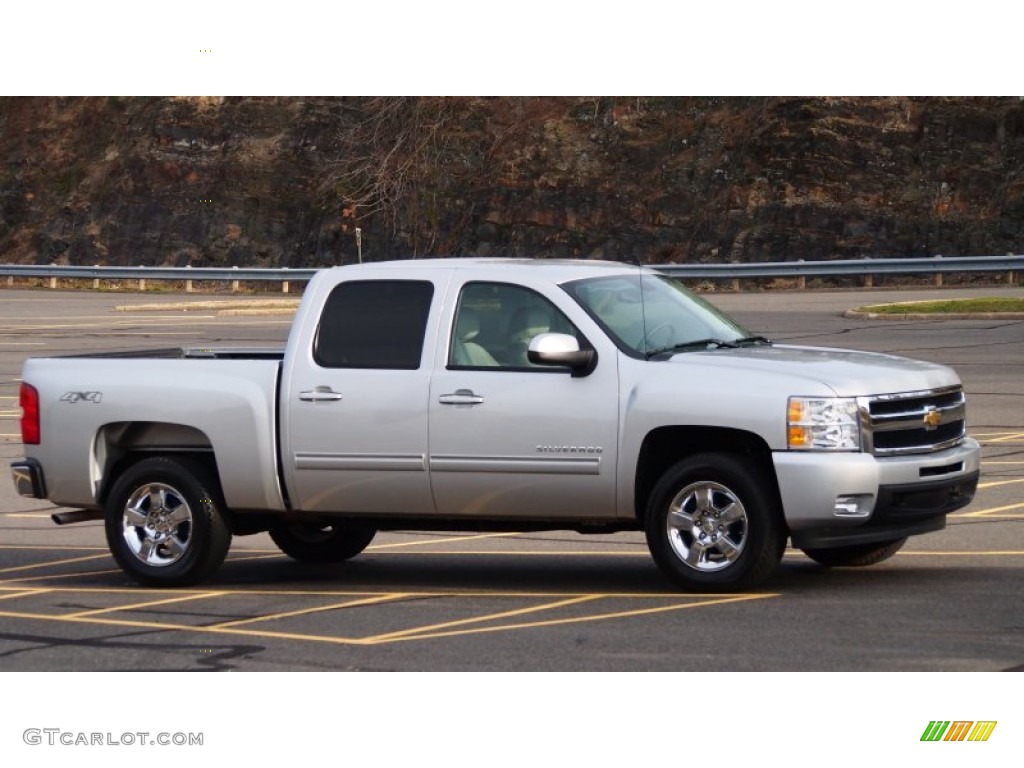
(647, 315)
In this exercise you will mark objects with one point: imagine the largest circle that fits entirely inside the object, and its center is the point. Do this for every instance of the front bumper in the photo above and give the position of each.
(900, 496)
(28, 478)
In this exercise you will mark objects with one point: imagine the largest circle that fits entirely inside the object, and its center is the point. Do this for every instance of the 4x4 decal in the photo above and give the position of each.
(74, 397)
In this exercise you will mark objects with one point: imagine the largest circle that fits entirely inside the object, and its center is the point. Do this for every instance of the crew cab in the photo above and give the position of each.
(473, 394)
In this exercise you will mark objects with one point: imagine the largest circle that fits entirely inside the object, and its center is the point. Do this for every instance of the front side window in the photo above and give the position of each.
(374, 324)
(494, 323)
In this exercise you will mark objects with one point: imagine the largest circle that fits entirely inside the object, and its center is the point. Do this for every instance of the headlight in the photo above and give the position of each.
(822, 424)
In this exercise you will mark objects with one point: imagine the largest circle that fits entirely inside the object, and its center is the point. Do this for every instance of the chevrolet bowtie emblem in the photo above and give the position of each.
(932, 418)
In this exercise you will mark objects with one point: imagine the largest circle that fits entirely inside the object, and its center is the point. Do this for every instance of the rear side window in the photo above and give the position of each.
(374, 324)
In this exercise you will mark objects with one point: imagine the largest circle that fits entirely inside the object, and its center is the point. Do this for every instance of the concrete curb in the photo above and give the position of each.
(255, 305)
(860, 314)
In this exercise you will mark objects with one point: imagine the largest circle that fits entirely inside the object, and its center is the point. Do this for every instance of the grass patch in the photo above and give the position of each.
(948, 306)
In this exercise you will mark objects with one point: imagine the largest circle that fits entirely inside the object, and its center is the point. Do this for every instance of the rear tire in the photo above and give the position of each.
(713, 524)
(856, 555)
(314, 542)
(164, 523)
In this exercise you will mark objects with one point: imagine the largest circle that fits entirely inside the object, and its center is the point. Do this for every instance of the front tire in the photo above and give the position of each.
(856, 555)
(164, 522)
(314, 542)
(713, 524)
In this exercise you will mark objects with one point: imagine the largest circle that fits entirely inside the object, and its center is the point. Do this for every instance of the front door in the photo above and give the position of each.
(511, 439)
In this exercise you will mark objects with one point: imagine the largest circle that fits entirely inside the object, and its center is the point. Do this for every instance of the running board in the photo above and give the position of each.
(76, 516)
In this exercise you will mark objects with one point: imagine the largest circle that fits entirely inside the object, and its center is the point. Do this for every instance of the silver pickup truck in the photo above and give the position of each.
(501, 395)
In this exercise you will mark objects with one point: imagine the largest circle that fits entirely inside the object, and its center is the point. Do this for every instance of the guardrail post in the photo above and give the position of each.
(96, 280)
(938, 275)
(284, 283)
(188, 283)
(801, 281)
(234, 283)
(10, 280)
(869, 276)
(142, 283)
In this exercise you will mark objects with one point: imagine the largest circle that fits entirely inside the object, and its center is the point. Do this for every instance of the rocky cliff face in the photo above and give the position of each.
(286, 182)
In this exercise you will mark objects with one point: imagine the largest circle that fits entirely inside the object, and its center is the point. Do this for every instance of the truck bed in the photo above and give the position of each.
(189, 353)
(222, 401)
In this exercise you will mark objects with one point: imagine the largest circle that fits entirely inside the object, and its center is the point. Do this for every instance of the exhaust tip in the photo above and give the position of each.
(76, 516)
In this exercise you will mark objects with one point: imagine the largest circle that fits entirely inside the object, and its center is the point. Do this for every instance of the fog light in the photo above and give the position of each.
(858, 505)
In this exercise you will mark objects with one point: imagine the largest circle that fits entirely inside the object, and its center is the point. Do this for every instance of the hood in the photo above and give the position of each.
(847, 372)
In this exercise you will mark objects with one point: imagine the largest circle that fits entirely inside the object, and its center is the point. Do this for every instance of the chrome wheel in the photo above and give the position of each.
(713, 522)
(157, 524)
(165, 521)
(706, 526)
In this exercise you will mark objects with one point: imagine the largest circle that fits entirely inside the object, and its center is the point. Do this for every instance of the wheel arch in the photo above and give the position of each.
(665, 446)
(118, 445)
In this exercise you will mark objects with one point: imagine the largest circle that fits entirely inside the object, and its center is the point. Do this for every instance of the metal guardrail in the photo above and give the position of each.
(156, 273)
(936, 265)
(866, 268)
(188, 275)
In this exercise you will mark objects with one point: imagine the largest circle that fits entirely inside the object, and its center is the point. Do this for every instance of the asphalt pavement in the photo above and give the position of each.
(415, 601)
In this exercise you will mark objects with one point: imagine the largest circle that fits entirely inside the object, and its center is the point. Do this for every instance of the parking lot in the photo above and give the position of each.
(524, 601)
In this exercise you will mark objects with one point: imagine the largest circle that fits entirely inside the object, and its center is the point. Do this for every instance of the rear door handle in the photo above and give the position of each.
(461, 397)
(320, 395)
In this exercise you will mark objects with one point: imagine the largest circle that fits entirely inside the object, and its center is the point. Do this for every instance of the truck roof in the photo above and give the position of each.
(558, 270)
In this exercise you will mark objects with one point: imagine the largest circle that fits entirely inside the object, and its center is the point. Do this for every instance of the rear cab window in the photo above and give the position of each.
(374, 324)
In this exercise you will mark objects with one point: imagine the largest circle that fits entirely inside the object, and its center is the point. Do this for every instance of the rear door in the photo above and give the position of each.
(355, 399)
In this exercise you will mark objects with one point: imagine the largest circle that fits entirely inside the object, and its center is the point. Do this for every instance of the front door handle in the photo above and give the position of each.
(461, 397)
(320, 395)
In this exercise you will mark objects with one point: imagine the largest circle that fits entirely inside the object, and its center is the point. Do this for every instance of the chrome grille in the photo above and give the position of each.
(913, 422)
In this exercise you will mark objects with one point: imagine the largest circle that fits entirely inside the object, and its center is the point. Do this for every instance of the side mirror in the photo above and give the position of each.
(560, 349)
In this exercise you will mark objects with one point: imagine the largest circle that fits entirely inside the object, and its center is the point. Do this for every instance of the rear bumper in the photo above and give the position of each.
(27, 475)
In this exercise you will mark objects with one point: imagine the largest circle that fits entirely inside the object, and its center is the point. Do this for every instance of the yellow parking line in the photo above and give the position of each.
(136, 606)
(49, 563)
(1006, 438)
(335, 640)
(526, 553)
(988, 512)
(185, 628)
(316, 609)
(72, 575)
(997, 483)
(24, 593)
(487, 617)
(35, 515)
(965, 553)
(53, 547)
(573, 620)
(360, 593)
(243, 558)
(446, 540)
